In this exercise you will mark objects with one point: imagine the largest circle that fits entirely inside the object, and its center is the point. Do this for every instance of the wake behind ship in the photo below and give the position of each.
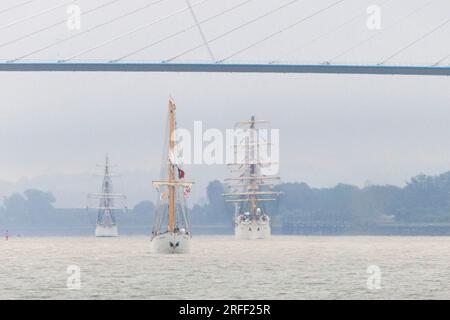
(171, 229)
(250, 189)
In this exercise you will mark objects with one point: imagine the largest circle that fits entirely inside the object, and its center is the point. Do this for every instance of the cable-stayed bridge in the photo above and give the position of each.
(248, 36)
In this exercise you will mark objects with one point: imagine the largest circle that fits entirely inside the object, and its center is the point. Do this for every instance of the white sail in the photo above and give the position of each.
(249, 188)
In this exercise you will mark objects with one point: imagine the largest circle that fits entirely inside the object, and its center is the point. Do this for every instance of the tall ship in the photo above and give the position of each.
(250, 190)
(171, 230)
(106, 224)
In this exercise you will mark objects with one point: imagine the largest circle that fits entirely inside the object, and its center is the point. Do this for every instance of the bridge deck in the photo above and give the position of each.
(217, 67)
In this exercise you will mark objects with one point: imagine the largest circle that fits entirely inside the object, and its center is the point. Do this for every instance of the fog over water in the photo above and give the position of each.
(55, 127)
(336, 132)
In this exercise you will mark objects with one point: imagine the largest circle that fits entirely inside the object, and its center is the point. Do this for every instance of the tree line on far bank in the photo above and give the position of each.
(424, 199)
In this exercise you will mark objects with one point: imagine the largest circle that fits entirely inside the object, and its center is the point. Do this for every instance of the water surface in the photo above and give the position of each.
(219, 267)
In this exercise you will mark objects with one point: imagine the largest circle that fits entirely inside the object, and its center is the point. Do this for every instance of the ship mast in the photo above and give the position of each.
(169, 203)
(106, 202)
(171, 168)
(106, 198)
(253, 166)
(248, 186)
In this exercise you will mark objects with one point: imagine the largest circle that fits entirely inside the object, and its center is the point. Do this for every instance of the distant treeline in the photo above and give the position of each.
(424, 199)
(34, 209)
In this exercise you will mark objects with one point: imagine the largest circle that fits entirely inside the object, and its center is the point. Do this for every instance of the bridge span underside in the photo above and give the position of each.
(225, 68)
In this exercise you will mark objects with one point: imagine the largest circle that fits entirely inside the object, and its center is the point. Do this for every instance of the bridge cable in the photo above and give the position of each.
(83, 13)
(333, 30)
(411, 13)
(282, 30)
(88, 30)
(134, 31)
(200, 30)
(16, 6)
(234, 29)
(441, 60)
(182, 31)
(440, 26)
(35, 15)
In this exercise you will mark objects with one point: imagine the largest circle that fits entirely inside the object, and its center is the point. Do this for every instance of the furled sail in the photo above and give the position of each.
(172, 188)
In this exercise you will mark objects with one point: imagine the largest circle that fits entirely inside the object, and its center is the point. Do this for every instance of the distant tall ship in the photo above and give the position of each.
(171, 230)
(106, 225)
(249, 188)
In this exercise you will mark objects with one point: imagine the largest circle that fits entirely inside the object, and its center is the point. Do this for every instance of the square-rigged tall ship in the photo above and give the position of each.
(106, 225)
(250, 188)
(171, 229)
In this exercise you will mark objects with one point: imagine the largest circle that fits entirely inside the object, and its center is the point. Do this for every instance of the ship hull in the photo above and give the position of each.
(252, 230)
(171, 243)
(106, 232)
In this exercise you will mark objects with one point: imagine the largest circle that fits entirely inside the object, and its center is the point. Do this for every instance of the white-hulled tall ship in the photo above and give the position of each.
(250, 189)
(106, 225)
(171, 230)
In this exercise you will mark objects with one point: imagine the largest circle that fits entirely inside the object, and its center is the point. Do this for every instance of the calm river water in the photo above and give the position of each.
(219, 267)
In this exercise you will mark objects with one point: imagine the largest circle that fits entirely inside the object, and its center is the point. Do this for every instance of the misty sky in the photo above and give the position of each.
(333, 128)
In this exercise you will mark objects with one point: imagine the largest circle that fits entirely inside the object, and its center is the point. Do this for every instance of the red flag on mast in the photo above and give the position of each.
(180, 174)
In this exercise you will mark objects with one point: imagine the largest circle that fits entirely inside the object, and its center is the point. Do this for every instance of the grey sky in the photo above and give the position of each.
(333, 128)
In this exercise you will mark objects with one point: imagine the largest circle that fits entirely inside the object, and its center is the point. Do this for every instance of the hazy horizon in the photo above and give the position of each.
(333, 128)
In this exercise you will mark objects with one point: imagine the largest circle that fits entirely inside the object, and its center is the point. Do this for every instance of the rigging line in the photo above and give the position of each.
(16, 6)
(314, 40)
(380, 32)
(83, 13)
(282, 30)
(234, 29)
(35, 15)
(87, 30)
(134, 30)
(205, 42)
(182, 31)
(415, 41)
